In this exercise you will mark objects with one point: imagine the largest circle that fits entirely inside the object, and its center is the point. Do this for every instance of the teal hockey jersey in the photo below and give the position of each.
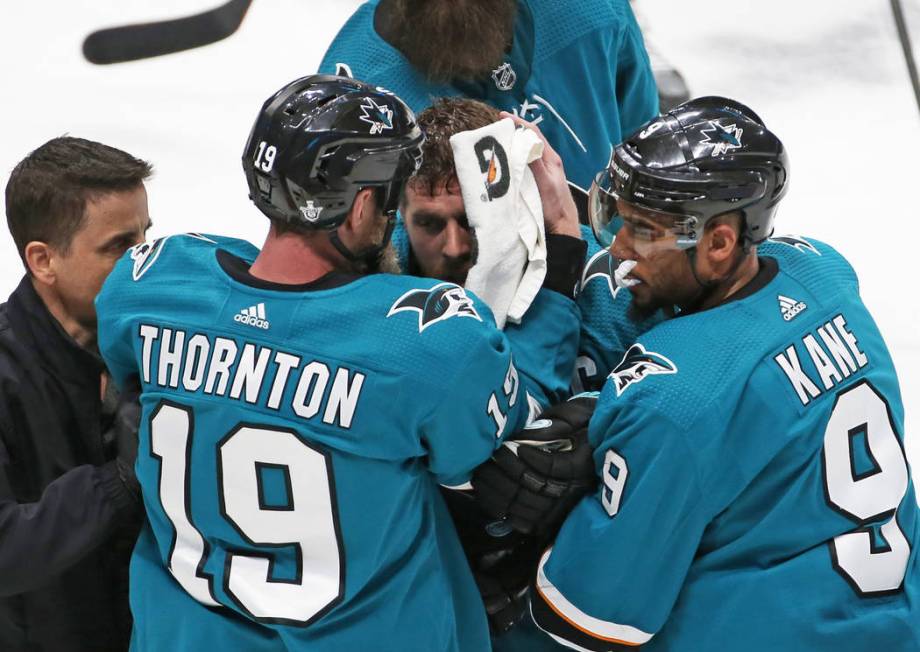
(755, 493)
(545, 343)
(291, 446)
(577, 68)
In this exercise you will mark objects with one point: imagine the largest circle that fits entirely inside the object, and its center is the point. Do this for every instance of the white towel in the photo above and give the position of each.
(504, 210)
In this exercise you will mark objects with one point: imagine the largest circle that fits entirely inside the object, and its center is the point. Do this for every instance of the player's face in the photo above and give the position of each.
(663, 273)
(439, 232)
(112, 223)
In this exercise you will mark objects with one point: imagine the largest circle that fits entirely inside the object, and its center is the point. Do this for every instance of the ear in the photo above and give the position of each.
(721, 241)
(363, 208)
(39, 258)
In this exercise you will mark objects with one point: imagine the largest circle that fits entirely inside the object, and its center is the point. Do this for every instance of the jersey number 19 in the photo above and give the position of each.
(309, 522)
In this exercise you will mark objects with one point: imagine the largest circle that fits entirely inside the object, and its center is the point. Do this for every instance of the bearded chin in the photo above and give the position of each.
(454, 39)
(386, 262)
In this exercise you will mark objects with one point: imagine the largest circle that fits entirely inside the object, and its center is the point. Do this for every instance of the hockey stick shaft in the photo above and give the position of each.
(904, 36)
(145, 40)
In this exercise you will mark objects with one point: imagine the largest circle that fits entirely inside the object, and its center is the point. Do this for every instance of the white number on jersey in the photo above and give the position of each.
(870, 498)
(308, 522)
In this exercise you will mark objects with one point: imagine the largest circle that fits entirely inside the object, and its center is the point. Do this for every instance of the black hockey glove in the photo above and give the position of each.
(504, 562)
(124, 433)
(505, 603)
(535, 478)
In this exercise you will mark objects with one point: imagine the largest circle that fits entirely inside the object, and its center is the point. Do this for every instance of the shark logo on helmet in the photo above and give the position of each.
(637, 365)
(722, 139)
(378, 116)
(441, 302)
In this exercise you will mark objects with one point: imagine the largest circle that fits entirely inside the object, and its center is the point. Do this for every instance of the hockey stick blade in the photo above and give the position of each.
(145, 40)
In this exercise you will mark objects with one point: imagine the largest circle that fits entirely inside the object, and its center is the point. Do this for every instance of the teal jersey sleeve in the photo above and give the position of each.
(635, 538)
(484, 402)
(545, 345)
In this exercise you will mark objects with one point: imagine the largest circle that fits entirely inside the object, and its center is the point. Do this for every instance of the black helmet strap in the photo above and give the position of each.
(370, 255)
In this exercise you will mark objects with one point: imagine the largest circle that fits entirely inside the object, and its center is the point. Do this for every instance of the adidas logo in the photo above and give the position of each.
(790, 307)
(253, 316)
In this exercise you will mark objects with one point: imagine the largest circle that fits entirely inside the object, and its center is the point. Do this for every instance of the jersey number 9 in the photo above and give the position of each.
(870, 498)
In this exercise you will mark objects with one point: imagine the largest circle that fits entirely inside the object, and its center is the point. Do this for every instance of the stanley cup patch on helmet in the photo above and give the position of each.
(638, 364)
(441, 302)
(311, 212)
(378, 116)
(722, 139)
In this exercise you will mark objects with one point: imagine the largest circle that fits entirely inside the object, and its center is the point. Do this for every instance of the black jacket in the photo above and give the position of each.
(67, 523)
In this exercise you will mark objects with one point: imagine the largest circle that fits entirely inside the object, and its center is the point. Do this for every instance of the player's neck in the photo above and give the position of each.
(289, 259)
(745, 273)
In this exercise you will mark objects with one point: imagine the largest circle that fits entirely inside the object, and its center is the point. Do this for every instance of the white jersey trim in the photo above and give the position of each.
(561, 641)
(592, 626)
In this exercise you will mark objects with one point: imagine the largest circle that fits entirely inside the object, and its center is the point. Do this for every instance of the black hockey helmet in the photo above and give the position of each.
(705, 157)
(321, 139)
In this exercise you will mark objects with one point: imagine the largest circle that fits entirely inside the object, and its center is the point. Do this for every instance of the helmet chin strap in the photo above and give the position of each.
(371, 255)
(708, 287)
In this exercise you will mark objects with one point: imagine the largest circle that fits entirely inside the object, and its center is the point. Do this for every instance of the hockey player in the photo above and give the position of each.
(433, 238)
(578, 68)
(300, 413)
(754, 491)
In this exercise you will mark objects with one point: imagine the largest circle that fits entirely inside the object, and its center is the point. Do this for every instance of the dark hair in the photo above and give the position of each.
(448, 40)
(446, 117)
(48, 190)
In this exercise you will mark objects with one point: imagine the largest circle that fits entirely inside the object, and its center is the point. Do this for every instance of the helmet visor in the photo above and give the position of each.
(407, 162)
(649, 230)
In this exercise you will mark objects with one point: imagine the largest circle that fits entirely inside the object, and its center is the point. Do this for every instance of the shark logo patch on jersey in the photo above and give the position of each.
(378, 116)
(145, 254)
(796, 242)
(722, 139)
(638, 364)
(441, 302)
(602, 265)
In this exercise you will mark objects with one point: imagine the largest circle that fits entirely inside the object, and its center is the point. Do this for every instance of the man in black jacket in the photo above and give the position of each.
(69, 513)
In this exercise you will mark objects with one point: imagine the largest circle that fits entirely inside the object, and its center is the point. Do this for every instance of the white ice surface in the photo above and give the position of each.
(827, 75)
